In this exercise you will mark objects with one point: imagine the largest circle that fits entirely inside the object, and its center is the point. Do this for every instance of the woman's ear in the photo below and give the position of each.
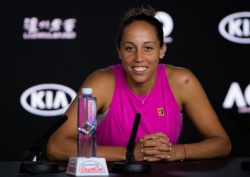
(163, 51)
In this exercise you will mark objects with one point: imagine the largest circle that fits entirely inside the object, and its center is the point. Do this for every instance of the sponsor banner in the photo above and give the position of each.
(236, 27)
(47, 99)
(87, 166)
(49, 29)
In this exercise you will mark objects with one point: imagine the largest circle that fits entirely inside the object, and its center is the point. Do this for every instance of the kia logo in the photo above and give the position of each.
(236, 27)
(47, 99)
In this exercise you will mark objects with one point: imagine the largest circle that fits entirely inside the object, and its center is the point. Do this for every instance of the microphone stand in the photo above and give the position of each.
(245, 165)
(40, 166)
(130, 166)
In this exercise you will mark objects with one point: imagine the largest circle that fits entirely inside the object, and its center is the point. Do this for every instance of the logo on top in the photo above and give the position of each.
(167, 25)
(49, 29)
(236, 97)
(236, 27)
(47, 99)
(91, 166)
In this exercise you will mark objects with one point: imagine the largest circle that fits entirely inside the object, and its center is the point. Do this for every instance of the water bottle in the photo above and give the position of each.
(86, 124)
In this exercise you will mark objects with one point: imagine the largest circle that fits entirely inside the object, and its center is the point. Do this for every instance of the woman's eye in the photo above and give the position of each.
(148, 48)
(129, 49)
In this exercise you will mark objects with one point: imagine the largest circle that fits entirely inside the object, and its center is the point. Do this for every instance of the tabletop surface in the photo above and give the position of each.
(227, 167)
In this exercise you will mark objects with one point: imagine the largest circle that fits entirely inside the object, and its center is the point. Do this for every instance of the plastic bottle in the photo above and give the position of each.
(86, 125)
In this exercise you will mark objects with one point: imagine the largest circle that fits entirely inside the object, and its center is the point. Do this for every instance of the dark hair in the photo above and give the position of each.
(141, 14)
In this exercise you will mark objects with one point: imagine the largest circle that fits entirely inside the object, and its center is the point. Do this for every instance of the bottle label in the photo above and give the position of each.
(91, 111)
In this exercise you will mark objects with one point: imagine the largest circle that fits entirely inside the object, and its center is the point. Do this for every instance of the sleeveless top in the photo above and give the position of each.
(159, 113)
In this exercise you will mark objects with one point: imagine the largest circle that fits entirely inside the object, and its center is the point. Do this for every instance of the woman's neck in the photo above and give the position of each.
(142, 88)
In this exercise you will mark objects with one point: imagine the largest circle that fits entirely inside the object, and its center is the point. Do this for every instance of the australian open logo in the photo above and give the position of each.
(236, 27)
(47, 99)
(237, 97)
(167, 25)
(91, 166)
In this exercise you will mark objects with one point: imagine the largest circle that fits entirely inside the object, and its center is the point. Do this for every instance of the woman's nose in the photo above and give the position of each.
(138, 56)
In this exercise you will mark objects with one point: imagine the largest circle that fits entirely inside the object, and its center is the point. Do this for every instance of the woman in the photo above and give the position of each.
(159, 92)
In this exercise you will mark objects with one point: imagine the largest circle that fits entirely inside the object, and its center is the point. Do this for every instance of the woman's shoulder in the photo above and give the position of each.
(103, 77)
(182, 82)
(179, 75)
(103, 73)
(102, 81)
(177, 71)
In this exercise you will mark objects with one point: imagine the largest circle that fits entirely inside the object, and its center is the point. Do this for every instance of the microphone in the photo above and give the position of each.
(130, 166)
(40, 166)
(130, 158)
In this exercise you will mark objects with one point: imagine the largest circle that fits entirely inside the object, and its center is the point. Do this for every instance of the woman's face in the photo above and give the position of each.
(140, 53)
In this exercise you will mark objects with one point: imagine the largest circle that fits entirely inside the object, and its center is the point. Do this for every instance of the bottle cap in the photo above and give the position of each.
(87, 91)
